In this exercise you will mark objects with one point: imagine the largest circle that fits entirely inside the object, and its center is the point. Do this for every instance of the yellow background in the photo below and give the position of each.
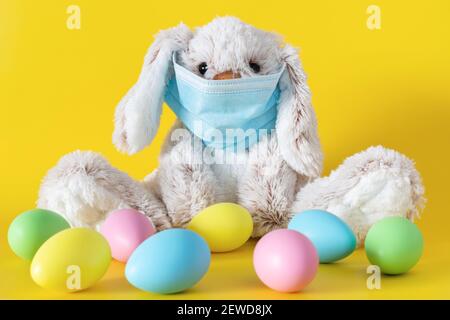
(59, 88)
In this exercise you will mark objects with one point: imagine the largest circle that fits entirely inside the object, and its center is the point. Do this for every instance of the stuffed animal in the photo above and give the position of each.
(229, 74)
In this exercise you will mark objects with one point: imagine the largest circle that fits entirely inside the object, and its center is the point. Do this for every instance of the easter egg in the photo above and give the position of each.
(31, 229)
(395, 244)
(332, 237)
(225, 226)
(71, 260)
(125, 230)
(170, 261)
(285, 260)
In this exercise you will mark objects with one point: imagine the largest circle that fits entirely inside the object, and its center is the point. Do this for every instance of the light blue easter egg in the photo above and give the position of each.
(168, 262)
(332, 237)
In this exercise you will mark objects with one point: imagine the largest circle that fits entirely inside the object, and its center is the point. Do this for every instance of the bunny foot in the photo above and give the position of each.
(367, 187)
(83, 187)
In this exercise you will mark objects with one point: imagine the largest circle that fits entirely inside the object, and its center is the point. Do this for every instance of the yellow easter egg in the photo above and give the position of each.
(225, 226)
(71, 260)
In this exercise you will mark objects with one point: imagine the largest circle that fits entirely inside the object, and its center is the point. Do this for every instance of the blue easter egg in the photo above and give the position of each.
(332, 237)
(168, 262)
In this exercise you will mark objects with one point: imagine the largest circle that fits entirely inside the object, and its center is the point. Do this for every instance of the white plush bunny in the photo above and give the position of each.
(273, 179)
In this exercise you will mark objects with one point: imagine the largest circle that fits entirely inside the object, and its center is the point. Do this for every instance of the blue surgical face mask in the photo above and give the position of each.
(226, 114)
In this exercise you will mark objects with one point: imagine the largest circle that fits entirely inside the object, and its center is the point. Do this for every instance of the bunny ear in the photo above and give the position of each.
(138, 113)
(296, 126)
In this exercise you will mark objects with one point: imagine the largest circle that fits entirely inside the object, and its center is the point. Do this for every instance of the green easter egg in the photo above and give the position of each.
(31, 229)
(395, 244)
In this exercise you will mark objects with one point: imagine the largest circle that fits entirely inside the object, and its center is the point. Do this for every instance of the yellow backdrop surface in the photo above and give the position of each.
(59, 88)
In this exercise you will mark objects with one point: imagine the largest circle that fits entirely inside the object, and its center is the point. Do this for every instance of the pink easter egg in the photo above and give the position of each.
(285, 260)
(125, 230)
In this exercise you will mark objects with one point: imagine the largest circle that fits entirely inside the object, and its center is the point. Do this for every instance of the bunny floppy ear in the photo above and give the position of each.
(138, 113)
(296, 125)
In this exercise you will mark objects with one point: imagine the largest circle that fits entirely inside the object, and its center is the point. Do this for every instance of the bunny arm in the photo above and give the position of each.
(365, 188)
(183, 182)
(268, 187)
(84, 188)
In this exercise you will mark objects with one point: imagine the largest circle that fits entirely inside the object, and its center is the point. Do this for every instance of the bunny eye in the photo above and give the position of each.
(255, 67)
(202, 68)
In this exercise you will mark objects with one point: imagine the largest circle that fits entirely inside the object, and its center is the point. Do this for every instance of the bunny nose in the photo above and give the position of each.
(227, 75)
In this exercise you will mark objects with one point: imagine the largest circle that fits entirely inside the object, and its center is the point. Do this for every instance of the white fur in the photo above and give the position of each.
(138, 114)
(296, 123)
(368, 186)
(84, 188)
(228, 44)
(273, 180)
